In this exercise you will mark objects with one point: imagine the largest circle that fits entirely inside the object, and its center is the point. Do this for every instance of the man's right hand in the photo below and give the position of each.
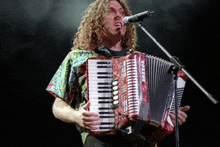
(88, 120)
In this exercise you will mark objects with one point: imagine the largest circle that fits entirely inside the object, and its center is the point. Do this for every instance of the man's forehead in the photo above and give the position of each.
(115, 4)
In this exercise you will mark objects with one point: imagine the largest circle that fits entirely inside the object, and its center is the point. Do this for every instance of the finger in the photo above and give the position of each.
(92, 127)
(182, 114)
(172, 115)
(180, 123)
(89, 114)
(181, 119)
(185, 108)
(92, 123)
(90, 119)
(86, 106)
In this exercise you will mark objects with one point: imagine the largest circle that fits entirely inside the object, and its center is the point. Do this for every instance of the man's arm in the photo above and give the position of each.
(83, 118)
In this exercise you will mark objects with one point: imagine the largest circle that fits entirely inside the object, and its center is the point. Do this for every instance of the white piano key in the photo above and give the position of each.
(97, 80)
(107, 119)
(96, 104)
(97, 68)
(100, 87)
(101, 94)
(96, 74)
(97, 111)
(99, 60)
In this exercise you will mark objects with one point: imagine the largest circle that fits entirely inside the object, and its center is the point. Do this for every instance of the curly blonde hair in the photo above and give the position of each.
(89, 34)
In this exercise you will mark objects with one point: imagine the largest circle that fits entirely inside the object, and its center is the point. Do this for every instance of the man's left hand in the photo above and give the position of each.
(181, 115)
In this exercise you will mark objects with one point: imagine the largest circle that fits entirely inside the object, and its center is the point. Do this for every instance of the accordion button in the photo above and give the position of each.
(115, 97)
(115, 92)
(115, 88)
(115, 102)
(114, 83)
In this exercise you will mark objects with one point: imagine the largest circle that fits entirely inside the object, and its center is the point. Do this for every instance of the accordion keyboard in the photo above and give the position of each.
(100, 92)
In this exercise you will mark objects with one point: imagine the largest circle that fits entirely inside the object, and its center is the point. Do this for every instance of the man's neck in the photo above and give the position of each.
(114, 45)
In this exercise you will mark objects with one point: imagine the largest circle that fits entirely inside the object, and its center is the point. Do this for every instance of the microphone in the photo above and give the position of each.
(136, 18)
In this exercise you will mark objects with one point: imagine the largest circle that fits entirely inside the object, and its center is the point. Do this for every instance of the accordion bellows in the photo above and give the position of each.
(134, 87)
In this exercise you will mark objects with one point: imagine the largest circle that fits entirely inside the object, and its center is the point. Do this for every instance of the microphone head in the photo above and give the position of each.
(125, 20)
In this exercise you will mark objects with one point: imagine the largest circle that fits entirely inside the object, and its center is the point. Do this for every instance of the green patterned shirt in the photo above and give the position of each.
(69, 81)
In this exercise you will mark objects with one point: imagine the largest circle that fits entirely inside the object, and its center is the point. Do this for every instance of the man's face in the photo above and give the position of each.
(114, 25)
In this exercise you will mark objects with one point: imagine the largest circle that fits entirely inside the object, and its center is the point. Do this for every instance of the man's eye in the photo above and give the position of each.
(123, 13)
(110, 11)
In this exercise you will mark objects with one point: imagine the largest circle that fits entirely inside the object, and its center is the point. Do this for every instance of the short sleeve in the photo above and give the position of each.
(58, 85)
(64, 84)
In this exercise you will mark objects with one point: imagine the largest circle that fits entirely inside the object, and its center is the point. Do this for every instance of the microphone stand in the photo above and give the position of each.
(177, 66)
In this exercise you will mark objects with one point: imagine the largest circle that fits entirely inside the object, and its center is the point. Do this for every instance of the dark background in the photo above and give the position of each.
(36, 35)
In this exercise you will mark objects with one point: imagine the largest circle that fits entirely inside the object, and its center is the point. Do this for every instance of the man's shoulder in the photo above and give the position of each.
(77, 57)
(79, 52)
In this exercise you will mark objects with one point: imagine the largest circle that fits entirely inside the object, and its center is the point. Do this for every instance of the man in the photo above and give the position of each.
(101, 32)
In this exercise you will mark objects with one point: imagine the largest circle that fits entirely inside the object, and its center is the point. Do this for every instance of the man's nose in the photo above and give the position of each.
(118, 16)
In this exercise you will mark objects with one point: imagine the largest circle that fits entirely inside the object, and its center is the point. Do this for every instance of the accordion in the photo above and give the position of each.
(133, 87)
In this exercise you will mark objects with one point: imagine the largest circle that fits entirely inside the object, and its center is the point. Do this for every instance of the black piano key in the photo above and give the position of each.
(106, 128)
(107, 116)
(104, 87)
(104, 77)
(104, 102)
(103, 62)
(104, 98)
(104, 83)
(105, 91)
(105, 108)
(104, 66)
(105, 73)
(107, 123)
(106, 112)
